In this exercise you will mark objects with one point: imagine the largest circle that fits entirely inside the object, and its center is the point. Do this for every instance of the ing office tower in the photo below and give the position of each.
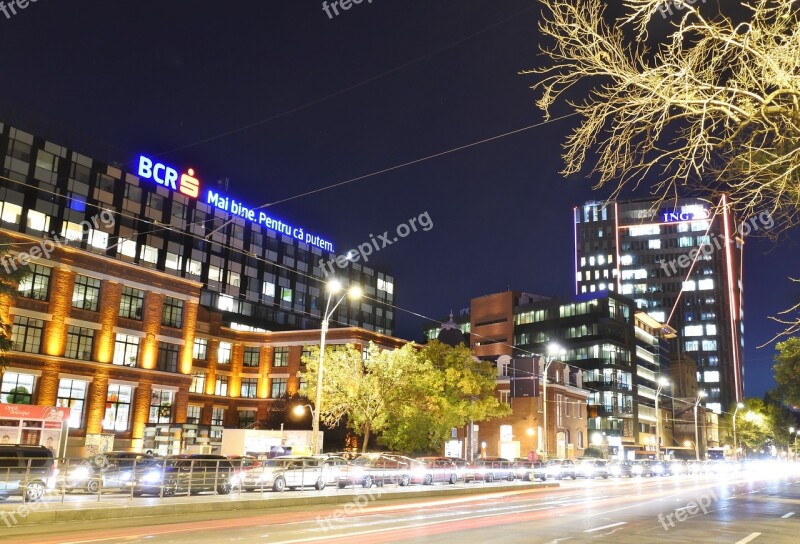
(682, 263)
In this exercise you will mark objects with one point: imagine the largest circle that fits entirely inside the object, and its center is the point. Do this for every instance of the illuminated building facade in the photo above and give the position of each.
(259, 271)
(682, 265)
(148, 306)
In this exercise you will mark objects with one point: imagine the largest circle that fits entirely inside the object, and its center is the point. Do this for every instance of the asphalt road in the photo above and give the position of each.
(715, 509)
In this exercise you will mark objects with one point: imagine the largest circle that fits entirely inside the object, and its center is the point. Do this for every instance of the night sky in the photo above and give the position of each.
(281, 99)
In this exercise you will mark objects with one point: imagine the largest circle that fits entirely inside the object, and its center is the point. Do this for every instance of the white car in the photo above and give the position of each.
(289, 471)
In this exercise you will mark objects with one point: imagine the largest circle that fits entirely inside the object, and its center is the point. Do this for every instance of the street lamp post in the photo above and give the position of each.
(334, 288)
(700, 395)
(662, 382)
(739, 406)
(552, 351)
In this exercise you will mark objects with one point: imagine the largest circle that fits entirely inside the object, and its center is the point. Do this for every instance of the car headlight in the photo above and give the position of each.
(152, 477)
(79, 473)
(125, 476)
(615, 470)
(658, 468)
(636, 470)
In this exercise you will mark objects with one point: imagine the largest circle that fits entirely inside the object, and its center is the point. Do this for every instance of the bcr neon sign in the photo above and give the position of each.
(189, 185)
(166, 177)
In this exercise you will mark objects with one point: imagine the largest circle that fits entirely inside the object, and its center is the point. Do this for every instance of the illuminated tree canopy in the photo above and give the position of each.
(713, 105)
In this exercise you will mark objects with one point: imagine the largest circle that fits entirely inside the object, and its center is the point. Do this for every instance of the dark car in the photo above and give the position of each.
(28, 471)
(659, 468)
(489, 469)
(110, 470)
(184, 474)
(436, 469)
(592, 468)
(620, 469)
(560, 469)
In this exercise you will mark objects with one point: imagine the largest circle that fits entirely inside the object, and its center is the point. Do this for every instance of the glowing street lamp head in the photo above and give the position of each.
(688, 443)
(530, 431)
(299, 410)
(355, 292)
(740, 405)
(334, 287)
(555, 349)
(702, 394)
(663, 381)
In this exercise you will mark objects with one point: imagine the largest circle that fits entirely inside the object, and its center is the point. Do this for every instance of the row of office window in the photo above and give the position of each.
(27, 332)
(86, 296)
(18, 388)
(248, 387)
(251, 356)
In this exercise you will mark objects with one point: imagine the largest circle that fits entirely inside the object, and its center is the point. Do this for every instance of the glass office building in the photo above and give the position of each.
(260, 271)
(681, 263)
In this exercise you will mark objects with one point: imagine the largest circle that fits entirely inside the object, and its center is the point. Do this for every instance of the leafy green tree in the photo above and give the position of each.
(447, 388)
(350, 390)
(787, 370)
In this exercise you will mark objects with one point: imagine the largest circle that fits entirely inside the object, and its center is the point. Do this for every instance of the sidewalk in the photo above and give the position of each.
(80, 509)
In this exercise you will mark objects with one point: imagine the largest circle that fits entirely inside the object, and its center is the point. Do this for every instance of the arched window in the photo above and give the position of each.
(580, 440)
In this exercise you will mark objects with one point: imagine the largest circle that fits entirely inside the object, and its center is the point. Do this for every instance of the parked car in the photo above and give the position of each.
(677, 467)
(620, 469)
(641, 468)
(378, 469)
(110, 470)
(695, 467)
(461, 465)
(184, 474)
(523, 469)
(287, 471)
(28, 471)
(436, 469)
(560, 469)
(489, 469)
(592, 468)
(658, 468)
(332, 467)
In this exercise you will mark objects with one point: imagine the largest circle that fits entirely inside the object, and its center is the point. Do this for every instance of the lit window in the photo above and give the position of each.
(280, 357)
(72, 395)
(198, 384)
(221, 386)
(214, 273)
(689, 285)
(11, 213)
(149, 254)
(644, 230)
(17, 388)
(36, 284)
(234, 279)
(711, 376)
(626, 260)
(218, 416)
(38, 221)
(194, 267)
(268, 289)
(173, 261)
(126, 350)
(118, 407)
(583, 261)
(601, 260)
(72, 231)
(627, 289)
(26, 335)
(705, 285)
(200, 349)
(711, 330)
(278, 388)
(686, 241)
(98, 239)
(225, 303)
(86, 293)
(693, 330)
(709, 345)
(692, 345)
(128, 248)
(224, 353)
(286, 294)
(160, 406)
(654, 244)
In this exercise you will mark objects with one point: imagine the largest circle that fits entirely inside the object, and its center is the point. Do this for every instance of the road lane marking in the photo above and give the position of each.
(606, 527)
(747, 539)
(790, 514)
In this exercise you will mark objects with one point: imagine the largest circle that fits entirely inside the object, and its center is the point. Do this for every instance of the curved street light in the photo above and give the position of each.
(334, 287)
(553, 350)
(700, 396)
(662, 383)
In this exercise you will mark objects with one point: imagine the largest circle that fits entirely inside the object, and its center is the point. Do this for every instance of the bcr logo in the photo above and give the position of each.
(167, 177)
